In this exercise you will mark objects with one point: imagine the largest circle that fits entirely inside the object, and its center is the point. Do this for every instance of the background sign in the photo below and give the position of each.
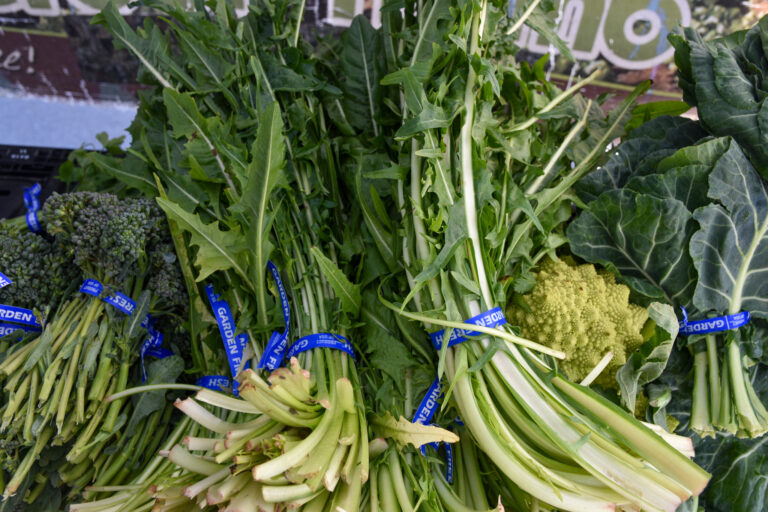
(48, 48)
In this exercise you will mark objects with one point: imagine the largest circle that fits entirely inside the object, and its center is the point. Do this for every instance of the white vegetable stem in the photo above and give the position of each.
(598, 369)
(467, 173)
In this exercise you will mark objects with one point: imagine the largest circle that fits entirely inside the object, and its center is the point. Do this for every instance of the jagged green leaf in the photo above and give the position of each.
(218, 250)
(345, 290)
(403, 432)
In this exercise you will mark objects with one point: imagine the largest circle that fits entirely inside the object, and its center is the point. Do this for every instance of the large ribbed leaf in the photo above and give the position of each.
(730, 250)
(644, 237)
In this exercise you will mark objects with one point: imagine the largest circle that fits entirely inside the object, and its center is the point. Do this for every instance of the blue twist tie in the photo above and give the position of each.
(274, 352)
(491, 318)
(716, 324)
(4, 280)
(234, 346)
(18, 315)
(321, 340)
(215, 382)
(32, 202)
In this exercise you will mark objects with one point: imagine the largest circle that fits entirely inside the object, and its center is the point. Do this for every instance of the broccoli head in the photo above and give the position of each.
(40, 269)
(583, 313)
(107, 237)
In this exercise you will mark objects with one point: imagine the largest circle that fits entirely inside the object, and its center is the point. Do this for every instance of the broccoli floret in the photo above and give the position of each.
(114, 240)
(40, 269)
(583, 313)
(166, 281)
(108, 238)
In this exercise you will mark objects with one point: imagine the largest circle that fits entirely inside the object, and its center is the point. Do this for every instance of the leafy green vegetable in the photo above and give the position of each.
(648, 363)
(731, 248)
(643, 237)
(639, 154)
(405, 432)
(725, 79)
(160, 371)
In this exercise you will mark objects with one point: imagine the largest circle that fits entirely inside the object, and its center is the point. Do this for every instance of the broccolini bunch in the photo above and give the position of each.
(57, 384)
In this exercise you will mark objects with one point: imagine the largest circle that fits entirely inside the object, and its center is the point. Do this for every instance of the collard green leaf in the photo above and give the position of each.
(686, 184)
(218, 250)
(727, 80)
(160, 371)
(649, 361)
(360, 51)
(639, 154)
(730, 250)
(647, 111)
(738, 467)
(348, 293)
(641, 236)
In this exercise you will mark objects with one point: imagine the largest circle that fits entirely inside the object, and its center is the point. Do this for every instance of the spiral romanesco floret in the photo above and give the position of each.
(583, 313)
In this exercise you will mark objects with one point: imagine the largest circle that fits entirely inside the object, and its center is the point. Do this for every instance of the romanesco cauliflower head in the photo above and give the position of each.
(583, 313)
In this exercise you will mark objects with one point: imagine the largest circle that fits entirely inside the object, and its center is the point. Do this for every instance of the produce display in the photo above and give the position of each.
(394, 270)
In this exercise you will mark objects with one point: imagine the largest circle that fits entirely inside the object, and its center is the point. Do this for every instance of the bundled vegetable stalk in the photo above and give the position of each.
(58, 383)
(472, 218)
(321, 402)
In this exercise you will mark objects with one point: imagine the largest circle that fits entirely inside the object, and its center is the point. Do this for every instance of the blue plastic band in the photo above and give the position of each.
(32, 222)
(321, 340)
(32, 202)
(491, 318)
(428, 407)
(6, 329)
(18, 315)
(4, 280)
(215, 382)
(31, 197)
(121, 302)
(234, 346)
(448, 463)
(118, 300)
(159, 353)
(153, 341)
(458, 421)
(274, 352)
(716, 324)
(91, 287)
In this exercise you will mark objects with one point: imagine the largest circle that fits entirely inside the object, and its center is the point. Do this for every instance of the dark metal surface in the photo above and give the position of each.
(22, 167)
